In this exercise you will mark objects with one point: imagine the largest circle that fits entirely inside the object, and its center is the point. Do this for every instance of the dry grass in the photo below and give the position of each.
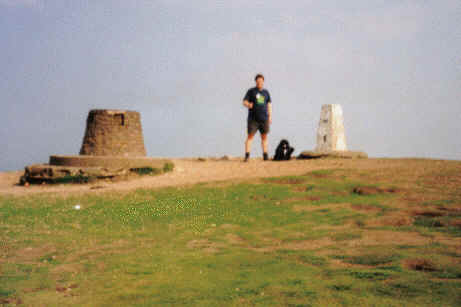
(419, 264)
(309, 208)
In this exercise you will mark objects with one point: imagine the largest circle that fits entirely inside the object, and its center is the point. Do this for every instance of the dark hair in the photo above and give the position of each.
(259, 76)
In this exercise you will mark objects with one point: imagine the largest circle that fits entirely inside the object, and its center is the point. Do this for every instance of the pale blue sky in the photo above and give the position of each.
(394, 66)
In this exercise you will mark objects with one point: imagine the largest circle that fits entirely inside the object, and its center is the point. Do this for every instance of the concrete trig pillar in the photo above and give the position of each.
(330, 134)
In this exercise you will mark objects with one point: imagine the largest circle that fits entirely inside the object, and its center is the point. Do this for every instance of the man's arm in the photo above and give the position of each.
(269, 107)
(247, 104)
(269, 112)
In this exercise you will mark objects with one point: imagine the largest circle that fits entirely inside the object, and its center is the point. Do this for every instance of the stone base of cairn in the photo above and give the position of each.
(113, 146)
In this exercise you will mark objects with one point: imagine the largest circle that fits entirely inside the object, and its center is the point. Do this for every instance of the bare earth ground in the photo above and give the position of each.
(190, 171)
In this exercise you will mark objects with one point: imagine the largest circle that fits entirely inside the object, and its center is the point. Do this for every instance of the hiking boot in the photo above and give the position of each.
(265, 156)
(247, 157)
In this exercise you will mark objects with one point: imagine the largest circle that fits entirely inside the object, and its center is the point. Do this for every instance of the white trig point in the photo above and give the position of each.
(330, 135)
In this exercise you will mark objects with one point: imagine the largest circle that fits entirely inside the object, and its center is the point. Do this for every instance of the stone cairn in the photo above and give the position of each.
(113, 133)
(331, 137)
(113, 146)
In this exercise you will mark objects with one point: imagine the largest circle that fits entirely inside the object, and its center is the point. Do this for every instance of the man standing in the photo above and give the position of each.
(259, 104)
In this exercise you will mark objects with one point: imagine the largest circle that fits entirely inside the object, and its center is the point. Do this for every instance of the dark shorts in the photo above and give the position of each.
(254, 126)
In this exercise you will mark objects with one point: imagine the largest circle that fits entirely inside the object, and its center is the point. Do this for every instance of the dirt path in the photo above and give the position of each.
(191, 171)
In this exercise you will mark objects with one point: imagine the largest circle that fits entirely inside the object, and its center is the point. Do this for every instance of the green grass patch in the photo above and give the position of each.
(344, 236)
(72, 179)
(168, 167)
(242, 244)
(146, 170)
(440, 224)
(368, 259)
(371, 275)
(449, 272)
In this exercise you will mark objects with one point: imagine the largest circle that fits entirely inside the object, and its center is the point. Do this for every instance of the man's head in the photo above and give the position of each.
(259, 79)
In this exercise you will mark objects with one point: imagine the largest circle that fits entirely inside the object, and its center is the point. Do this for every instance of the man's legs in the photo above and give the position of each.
(264, 145)
(249, 141)
(264, 130)
(252, 128)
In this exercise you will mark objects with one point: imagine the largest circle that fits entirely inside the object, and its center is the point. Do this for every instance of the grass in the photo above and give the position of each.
(146, 170)
(286, 241)
(370, 259)
(72, 179)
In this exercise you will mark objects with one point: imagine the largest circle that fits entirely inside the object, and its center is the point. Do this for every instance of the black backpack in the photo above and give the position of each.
(283, 151)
